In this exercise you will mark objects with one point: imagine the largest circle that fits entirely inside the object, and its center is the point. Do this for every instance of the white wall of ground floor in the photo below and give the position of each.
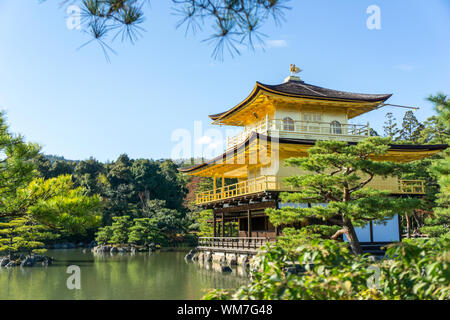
(374, 231)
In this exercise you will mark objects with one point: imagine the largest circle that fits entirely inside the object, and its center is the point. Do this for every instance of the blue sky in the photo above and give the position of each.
(76, 104)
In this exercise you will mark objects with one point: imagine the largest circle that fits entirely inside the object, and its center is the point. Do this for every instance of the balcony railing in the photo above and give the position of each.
(412, 186)
(233, 243)
(259, 184)
(272, 183)
(282, 128)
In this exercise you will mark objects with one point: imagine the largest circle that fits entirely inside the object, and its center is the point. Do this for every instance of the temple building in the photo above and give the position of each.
(283, 121)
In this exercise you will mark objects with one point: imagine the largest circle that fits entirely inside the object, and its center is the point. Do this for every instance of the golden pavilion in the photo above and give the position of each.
(279, 122)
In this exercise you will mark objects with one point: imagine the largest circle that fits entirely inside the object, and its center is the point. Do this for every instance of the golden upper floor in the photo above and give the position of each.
(283, 121)
(302, 101)
(295, 109)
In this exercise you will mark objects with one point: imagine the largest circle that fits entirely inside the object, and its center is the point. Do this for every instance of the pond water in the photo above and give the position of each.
(157, 275)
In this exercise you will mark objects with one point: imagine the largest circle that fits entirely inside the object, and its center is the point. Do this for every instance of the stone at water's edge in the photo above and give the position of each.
(231, 259)
(118, 249)
(12, 264)
(243, 260)
(46, 262)
(27, 262)
(4, 262)
(207, 257)
(190, 254)
(101, 249)
(38, 258)
(226, 268)
(200, 256)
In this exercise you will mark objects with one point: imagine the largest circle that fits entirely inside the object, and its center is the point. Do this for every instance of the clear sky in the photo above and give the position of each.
(77, 105)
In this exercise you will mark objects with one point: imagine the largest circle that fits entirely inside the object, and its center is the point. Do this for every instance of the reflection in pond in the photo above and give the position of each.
(158, 275)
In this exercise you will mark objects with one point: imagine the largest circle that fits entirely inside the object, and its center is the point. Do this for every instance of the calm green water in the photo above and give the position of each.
(159, 275)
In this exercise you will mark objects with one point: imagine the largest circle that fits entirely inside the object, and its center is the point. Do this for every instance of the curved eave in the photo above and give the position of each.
(252, 95)
(259, 87)
(225, 157)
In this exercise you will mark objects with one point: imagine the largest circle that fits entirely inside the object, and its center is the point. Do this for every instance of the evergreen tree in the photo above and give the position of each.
(437, 128)
(43, 166)
(22, 235)
(120, 229)
(144, 231)
(17, 167)
(411, 128)
(104, 235)
(88, 174)
(202, 223)
(169, 221)
(440, 223)
(53, 202)
(390, 126)
(234, 22)
(338, 175)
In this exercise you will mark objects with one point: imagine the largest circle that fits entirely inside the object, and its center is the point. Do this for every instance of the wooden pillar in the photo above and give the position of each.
(214, 187)
(249, 222)
(214, 224)
(223, 187)
(223, 226)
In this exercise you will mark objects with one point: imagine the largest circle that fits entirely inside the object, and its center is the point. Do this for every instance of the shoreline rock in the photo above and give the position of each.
(25, 261)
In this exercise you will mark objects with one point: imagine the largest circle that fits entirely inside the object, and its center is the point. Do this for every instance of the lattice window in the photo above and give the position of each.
(288, 124)
(336, 127)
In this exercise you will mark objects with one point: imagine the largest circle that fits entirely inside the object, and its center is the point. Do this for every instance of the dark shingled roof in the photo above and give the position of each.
(300, 89)
(305, 89)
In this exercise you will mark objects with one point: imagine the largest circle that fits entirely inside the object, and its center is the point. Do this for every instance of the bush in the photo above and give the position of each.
(325, 269)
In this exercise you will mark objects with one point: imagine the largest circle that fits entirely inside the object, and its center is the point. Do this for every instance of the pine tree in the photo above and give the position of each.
(411, 128)
(390, 126)
(103, 235)
(437, 128)
(233, 21)
(338, 175)
(52, 202)
(144, 231)
(440, 223)
(24, 235)
(120, 229)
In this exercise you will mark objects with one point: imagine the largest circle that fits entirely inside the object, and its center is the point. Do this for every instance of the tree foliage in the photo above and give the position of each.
(128, 186)
(231, 23)
(439, 223)
(55, 202)
(390, 127)
(411, 128)
(139, 231)
(338, 174)
(327, 270)
(144, 231)
(24, 235)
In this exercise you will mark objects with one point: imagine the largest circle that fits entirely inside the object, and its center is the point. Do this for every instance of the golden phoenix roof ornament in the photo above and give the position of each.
(294, 69)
